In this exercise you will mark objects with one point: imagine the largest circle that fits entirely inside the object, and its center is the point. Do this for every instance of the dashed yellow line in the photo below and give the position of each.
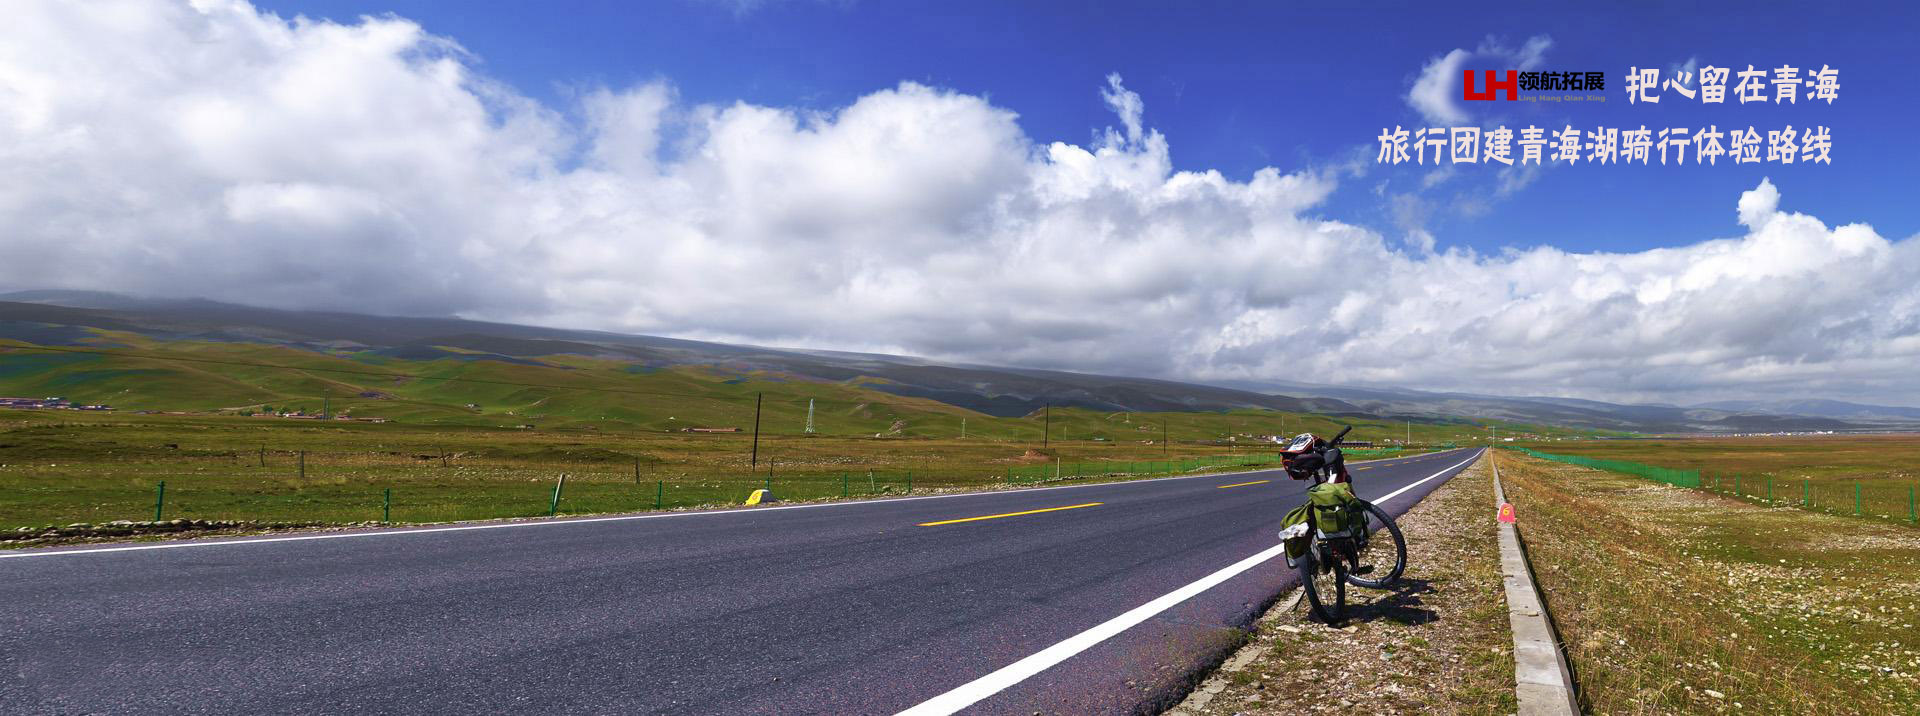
(1008, 514)
(1244, 484)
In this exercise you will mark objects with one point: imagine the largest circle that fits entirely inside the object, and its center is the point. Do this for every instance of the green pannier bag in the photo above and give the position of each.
(1331, 504)
(1296, 546)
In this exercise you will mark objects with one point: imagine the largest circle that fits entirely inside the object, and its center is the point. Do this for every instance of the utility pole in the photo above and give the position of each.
(1046, 430)
(755, 462)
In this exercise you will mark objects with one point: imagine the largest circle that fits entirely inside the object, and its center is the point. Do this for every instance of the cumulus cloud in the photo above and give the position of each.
(213, 150)
(1436, 91)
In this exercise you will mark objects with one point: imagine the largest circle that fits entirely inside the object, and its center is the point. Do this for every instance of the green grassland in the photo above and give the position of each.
(1674, 600)
(1878, 474)
(614, 429)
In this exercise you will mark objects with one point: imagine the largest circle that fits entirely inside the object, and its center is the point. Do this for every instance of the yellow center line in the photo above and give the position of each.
(1009, 514)
(1244, 484)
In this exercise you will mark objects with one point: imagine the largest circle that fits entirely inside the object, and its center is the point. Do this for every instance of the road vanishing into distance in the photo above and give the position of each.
(1082, 599)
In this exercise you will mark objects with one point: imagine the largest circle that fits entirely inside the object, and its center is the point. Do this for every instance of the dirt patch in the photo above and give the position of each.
(1437, 644)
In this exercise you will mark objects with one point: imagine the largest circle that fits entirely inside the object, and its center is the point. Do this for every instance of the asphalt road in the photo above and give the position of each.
(850, 608)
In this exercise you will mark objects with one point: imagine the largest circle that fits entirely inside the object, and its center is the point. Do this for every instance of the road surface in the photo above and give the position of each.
(1106, 606)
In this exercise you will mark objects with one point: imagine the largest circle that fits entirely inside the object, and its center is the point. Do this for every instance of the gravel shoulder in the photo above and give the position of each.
(1438, 644)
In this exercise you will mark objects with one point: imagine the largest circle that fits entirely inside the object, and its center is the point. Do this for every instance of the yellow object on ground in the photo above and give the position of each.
(759, 496)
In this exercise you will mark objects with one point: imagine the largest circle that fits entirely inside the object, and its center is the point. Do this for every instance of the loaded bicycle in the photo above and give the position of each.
(1336, 538)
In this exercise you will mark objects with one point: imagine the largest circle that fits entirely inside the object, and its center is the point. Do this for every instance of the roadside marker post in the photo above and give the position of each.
(386, 505)
(659, 494)
(843, 485)
(909, 482)
(159, 500)
(554, 508)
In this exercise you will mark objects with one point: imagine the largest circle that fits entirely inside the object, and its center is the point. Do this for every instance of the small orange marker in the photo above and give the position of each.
(1506, 512)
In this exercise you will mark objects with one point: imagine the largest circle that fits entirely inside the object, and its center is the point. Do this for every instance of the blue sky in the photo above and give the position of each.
(971, 182)
(1240, 86)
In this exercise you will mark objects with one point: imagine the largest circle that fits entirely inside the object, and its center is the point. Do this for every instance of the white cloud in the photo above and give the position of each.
(1125, 103)
(158, 148)
(1436, 91)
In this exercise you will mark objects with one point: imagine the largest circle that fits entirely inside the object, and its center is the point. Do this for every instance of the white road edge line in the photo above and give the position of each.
(1396, 493)
(973, 691)
(55, 552)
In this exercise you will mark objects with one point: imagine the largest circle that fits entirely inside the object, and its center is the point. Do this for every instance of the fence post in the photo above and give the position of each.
(1736, 485)
(1769, 488)
(303, 464)
(659, 494)
(263, 456)
(386, 505)
(909, 482)
(554, 508)
(159, 500)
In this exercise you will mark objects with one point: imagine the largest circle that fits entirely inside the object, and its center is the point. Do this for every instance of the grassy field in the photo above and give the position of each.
(571, 392)
(1682, 601)
(59, 467)
(472, 437)
(1828, 473)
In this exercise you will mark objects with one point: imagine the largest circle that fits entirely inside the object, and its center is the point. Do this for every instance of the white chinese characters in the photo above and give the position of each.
(1605, 145)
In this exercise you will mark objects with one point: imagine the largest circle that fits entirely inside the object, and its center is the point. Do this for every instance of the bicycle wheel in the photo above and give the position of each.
(1326, 588)
(1382, 556)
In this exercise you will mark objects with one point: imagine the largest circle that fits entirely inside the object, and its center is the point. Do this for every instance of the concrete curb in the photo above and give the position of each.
(1542, 681)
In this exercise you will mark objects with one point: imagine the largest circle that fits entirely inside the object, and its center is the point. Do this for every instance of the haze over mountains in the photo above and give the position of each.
(58, 317)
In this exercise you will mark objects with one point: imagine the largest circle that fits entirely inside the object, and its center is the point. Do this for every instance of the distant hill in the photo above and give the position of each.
(1573, 412)
(56, 318)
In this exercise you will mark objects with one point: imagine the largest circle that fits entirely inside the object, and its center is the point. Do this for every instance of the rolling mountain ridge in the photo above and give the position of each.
(63, 317)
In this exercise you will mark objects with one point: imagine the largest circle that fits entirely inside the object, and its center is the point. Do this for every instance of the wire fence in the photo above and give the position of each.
(425, 483)
(424, 486)
(1882, 500)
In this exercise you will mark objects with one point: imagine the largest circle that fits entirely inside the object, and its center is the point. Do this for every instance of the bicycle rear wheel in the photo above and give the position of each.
(1326, 587)
(1382, 557)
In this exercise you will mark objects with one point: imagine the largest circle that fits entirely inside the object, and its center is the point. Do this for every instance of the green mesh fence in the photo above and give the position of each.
(1898, 502)
(1678, 478)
